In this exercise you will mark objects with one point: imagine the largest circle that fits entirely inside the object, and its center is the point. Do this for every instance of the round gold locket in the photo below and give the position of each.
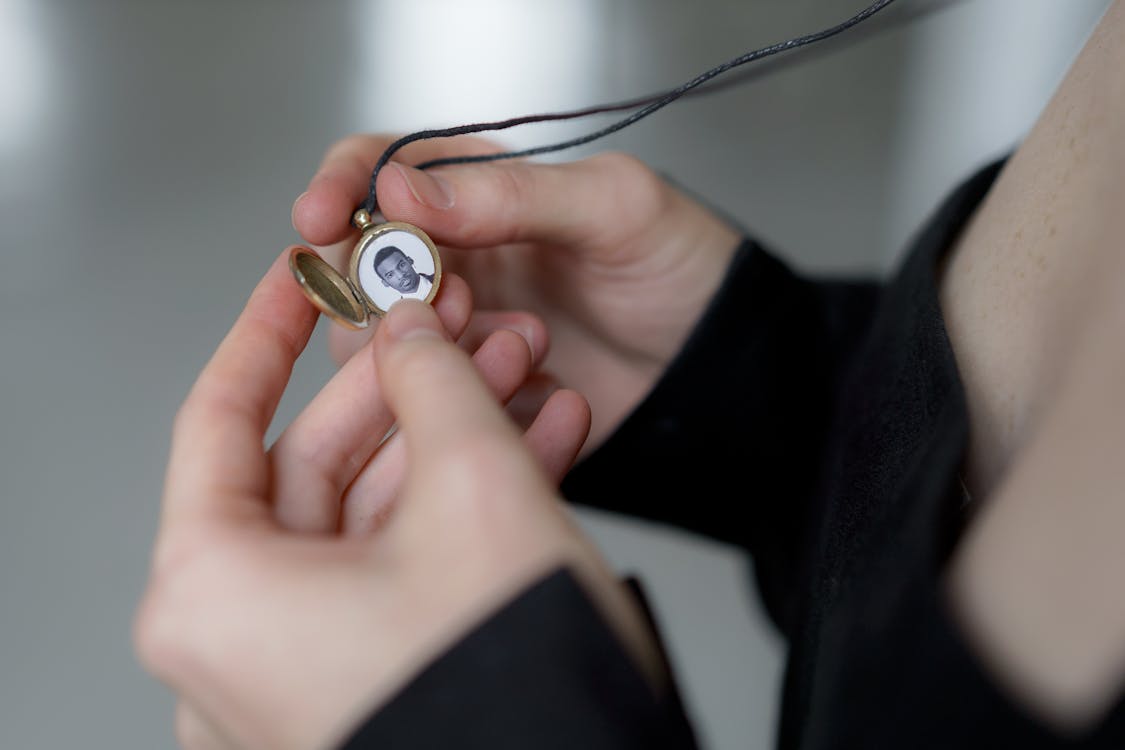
(391, 261)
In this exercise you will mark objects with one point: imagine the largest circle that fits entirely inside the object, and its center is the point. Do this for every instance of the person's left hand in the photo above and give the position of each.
(275, 629)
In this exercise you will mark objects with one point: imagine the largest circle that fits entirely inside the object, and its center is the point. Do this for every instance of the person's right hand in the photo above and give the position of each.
(277, 621)
(616, 262)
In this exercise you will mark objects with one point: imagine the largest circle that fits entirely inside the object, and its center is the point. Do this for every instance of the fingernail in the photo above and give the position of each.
(410, 319)
(429, 189)
(527, 333)
(293, 211)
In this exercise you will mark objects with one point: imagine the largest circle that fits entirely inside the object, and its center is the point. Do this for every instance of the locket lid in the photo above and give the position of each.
(327, 289)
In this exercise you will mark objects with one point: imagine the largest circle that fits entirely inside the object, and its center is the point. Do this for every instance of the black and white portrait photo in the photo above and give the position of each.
(396, 264)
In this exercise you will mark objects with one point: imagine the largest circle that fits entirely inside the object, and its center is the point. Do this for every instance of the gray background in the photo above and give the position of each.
(149, 154)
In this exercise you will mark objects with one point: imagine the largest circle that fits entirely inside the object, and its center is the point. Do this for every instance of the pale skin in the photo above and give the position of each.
(401, 546)
(320, 622)
(637, 260)
(1035, 304)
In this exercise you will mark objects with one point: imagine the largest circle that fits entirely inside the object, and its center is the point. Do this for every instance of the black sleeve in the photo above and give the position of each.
(544, 672)
(729, 442)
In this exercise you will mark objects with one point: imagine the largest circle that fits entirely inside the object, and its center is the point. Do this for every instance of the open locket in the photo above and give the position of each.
(391, 261)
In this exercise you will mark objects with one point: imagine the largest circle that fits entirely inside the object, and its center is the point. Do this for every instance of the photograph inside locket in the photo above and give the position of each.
(396, 265)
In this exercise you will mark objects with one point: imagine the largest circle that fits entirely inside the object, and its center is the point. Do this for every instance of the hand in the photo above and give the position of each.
(617, 263)
(274, 630)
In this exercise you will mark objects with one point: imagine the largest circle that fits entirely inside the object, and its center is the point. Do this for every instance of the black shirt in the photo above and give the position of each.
(833, 424)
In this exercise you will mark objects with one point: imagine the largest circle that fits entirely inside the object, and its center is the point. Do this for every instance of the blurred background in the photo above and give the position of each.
(149, 154)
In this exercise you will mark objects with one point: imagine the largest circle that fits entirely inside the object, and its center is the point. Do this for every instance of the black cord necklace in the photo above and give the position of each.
(395, 260)
(643, 107)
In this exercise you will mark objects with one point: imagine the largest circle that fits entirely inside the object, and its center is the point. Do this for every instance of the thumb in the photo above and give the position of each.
(468, 454)
(581, 203)
(447, 415)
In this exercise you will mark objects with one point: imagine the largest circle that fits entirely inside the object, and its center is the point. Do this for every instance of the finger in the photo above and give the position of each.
(339, 254)
(320, 453)
(218, 469)
(556, 435)
(503, 361)
(441, 402)
(322, 215)
(484, 323)
(600, 200)
(344, 343)
(194, 732)
(528, 401)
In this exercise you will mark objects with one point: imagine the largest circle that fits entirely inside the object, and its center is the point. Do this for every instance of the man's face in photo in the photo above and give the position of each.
(397, 271)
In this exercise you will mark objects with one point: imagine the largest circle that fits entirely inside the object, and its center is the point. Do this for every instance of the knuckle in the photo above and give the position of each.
(164, 639)
(628, 176)
(325, 462)
(309, 450)
(515, 182)
(621, 163)
(513, 190)
(156, 635)
(282, 344)
(212, 401)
